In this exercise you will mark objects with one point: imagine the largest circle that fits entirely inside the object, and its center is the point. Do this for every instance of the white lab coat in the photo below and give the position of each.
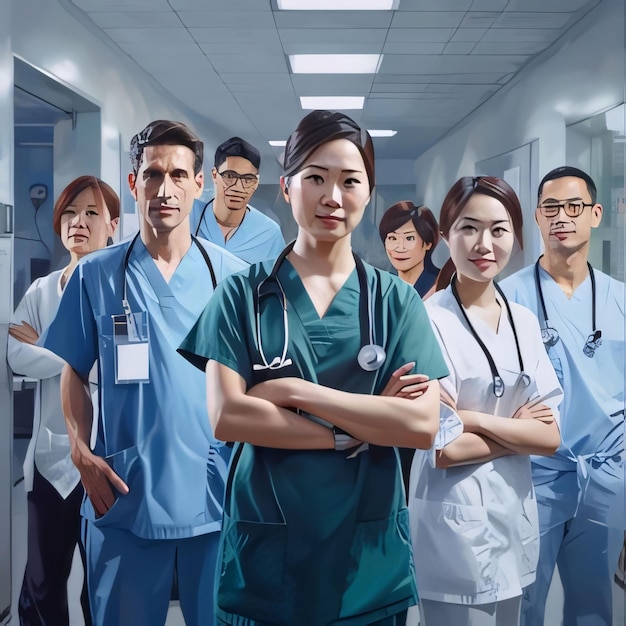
(474, 527)
(49, 446)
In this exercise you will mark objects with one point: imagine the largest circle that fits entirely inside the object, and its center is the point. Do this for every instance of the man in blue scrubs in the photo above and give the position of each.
(227, 220)
(154, 478)
(580, 490)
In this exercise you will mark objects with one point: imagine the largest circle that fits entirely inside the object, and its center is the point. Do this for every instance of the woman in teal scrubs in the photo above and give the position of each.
(315, 525)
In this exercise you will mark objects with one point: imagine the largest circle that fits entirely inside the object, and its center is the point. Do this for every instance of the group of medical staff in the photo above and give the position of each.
(286, 504)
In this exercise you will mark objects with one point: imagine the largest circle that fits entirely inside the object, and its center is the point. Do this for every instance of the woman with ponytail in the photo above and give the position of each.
(473, 512)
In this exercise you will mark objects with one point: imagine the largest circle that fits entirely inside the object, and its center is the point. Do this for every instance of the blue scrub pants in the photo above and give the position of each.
(579, 547)
(130, 578)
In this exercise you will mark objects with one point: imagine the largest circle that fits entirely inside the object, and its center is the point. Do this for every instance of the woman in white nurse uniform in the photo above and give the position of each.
(473, 512)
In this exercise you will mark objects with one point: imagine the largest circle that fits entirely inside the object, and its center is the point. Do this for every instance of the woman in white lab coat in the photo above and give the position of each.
(473, 513)
(85, 216)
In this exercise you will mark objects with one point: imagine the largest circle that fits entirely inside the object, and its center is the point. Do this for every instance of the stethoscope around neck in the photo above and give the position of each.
(370, 357)
(550, 335)
(204, 253)
(498, 382)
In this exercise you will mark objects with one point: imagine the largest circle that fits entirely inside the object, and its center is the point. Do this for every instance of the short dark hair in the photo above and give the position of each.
(166, 132)
(568, 170)
(102, 193)
(319, 127)
(236, 146)
(402, 212)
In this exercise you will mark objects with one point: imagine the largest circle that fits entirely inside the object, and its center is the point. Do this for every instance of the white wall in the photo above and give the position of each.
(63, 43)
(580, 75)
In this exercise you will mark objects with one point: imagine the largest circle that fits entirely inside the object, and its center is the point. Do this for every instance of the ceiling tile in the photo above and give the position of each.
(332, 85)
(122, 5)
(448, 64)
(511, 47)
(459, 47)
(211, 49)
(333, 19)
(413, 48)
(232, 63)
(480, 19)
(135, 19)
(468, 34)
(234, 35)
(421, 35)
(442, 79)
(405, 88)
(331, 36)
(220, 19)
(241, 8)
(511, 19)
(339, 47)
(522, 35)
(435, 5)
(427, 19)
(540, 6)
(149, 35)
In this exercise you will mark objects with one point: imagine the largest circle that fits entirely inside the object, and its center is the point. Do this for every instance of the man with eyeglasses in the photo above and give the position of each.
(579, 490)
(228, 220)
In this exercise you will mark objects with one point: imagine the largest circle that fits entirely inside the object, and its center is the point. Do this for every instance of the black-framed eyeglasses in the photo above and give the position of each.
(230, 178)
(572, 208)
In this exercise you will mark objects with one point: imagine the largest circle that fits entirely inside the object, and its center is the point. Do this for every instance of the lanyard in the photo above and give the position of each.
(550, 335)
(498, 383)
(204, 253)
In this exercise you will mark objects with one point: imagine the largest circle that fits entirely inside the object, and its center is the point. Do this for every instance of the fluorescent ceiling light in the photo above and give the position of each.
(332, 102)
(335, 63)
(382, 133)
(337, 5)
(279, 143)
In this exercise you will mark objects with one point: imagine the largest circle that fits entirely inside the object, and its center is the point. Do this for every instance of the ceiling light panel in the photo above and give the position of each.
(337, 5)
(332, 102)
(335, 63)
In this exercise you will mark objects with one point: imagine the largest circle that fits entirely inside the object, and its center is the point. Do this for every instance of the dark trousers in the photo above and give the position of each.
(53, 533)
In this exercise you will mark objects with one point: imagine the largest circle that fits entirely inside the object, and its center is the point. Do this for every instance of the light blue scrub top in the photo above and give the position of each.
(257, 239)
(155, 435)
(592, 411)
(312, 537)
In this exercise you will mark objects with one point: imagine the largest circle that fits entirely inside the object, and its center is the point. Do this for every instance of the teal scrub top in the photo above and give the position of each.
(156, 434)
(313, 537)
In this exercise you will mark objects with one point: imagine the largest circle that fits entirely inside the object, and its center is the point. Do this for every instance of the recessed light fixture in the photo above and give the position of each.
(335, 63)
(332, 102)
(337, 5)
(382, 133)
(278, 143)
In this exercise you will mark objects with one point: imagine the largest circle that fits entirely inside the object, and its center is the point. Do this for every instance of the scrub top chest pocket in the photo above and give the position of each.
(131, 344)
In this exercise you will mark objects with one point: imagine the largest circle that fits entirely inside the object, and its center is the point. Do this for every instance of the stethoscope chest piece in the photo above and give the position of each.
(549, 336)
(594, 341)
(371, 357)
(498, 386)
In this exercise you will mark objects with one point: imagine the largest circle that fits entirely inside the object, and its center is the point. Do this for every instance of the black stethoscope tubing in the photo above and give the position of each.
(204, 253)
(204, 208)
(552, 334)
(375, 357)
(498, 383)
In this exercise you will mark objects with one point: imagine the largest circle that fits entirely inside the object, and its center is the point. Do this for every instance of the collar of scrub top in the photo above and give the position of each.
(202, 214)
(550, 335)
(370, 357)
(498, 383)
(204, 253)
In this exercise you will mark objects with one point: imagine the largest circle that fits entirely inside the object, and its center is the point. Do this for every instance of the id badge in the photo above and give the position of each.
(132, 348)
